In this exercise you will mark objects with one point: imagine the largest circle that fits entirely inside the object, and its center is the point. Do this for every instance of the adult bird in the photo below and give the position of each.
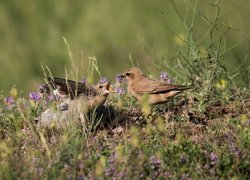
(155, 92)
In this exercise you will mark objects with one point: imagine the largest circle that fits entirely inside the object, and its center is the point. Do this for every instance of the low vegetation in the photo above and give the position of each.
(203, 134)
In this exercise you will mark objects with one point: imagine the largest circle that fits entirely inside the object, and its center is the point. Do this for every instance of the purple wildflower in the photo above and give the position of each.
(51, 98)
(184, 176)
(119, 90)
(83, 80)
(103, 80)
(164, 75)
(155, 161)
(167, 174)
(213, 157)
(81, 177)
(109, 171)
(9, 100)
(121, 175)
(165, 78)
(234, 149)
(112, 158)
(206, 166)
(155, 166)
(119, 78)
(34, 96)
(90, 175)
(81, 165)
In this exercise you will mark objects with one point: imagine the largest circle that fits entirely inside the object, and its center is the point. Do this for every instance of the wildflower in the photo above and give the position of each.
(234, 149)
(184, 176)
(165, 78)
(83, 80)
(109, 171)
(90, 175)
(103, 80)
(34, 96)
(81, 177)
(167, 174)
(9, 100)
(245, 120)
(81, 165)
(51, 98)
(213, 157)
(155, 161)
(119, 90)
(14, 92)
(119, 78)
(222, 84)
(122, 174)
(206, 166)
(155, 166)
(164, 75)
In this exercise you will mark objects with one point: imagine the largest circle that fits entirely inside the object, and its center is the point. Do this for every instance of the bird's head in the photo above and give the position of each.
(104, 89)
(133, 73)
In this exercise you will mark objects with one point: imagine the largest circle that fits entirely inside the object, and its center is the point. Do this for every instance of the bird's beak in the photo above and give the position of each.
(123, 75)
(109, 87)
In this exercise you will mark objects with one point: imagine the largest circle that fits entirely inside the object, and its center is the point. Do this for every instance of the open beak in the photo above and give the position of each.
(109, 87)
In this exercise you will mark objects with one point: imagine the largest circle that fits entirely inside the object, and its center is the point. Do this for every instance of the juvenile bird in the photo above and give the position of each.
(65, 88)
(91, 98)
(76, 98)
(156, 92)
(70, 91)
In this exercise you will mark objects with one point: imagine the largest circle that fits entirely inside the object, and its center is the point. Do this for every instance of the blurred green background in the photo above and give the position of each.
(115, 32)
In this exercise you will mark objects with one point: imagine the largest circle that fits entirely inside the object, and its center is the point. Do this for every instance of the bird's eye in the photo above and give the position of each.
(100, 87)
(127, 74)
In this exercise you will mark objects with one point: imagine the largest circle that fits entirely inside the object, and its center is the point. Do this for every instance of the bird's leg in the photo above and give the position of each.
(172, 103)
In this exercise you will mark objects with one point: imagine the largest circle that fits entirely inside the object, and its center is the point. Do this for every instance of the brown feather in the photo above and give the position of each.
(68, 87)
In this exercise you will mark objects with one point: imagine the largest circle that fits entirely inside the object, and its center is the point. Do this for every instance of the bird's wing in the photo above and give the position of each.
(149, 86)
(74, 89)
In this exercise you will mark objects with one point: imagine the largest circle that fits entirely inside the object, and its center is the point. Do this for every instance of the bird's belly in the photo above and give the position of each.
(161, 98)
(156, 99)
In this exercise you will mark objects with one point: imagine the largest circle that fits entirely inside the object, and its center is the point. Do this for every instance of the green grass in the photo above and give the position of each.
(207, 136)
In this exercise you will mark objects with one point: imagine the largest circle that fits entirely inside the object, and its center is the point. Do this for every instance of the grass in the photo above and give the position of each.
(205, 135)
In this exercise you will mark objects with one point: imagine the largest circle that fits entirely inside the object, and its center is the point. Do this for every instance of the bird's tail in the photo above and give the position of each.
(183, 88)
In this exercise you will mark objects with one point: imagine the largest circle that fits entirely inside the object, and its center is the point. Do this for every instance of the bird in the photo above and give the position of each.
(64, 88)
(155, 92)
(75, 98)
(90, 98)
(70, 90)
